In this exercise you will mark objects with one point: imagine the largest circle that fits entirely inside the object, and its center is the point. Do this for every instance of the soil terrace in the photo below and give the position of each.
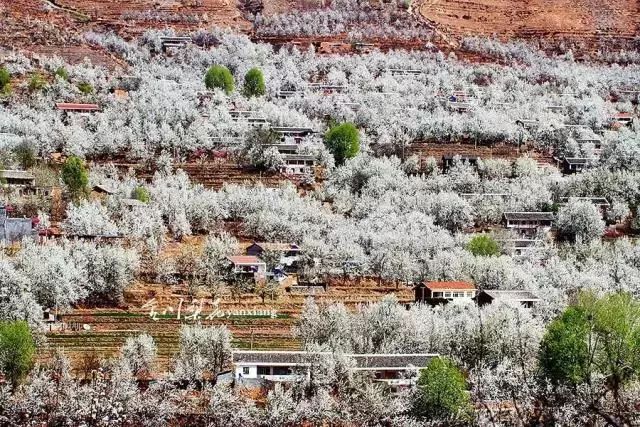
(584, 20)
(215, 174)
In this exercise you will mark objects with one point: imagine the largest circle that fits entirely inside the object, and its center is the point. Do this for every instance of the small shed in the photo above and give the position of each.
(526, 298)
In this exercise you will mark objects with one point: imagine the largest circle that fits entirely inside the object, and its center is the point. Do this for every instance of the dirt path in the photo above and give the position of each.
(73, 12)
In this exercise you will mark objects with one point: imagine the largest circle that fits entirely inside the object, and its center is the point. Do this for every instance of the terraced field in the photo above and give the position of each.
(215, 175)
(107, 329)
(508, 152)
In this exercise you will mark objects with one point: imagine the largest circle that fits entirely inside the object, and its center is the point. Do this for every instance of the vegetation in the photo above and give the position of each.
(37, 82)
(390, 215)
(5, 80)
(141, 194)
(62, 73)
(75, 177)
(254, 83)
(85, 88)
(17, 350)
(25, 156)
(219, 77)
(343, 141)
(483, 245)
(442, 392)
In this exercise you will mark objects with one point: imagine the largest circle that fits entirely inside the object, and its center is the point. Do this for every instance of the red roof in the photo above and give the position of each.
(449, 286)
(71, 106)
(245, 259)
(623, 116)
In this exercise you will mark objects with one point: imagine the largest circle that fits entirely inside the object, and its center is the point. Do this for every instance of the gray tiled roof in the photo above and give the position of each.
(363, 361)
(16, 174)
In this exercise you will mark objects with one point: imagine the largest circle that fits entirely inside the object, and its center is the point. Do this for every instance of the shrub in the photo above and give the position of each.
(85, 88)
(5, 78)
(141, 194)
(483, 245)
(254, 83)
(442, 391)
(37, 82)
(62, 73)
(219, 77)
(17, 350)
(343, 141)
(75, 177)
(25, 155)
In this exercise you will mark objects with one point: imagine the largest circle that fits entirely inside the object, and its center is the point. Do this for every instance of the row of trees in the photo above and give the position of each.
(219, 77)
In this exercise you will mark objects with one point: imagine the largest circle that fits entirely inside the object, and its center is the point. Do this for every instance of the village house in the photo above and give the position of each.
(290, 253)
(527, 124)
(435, 293)
(14, 229)
(173, 42)
(570, 165)
(528, 223)
(395, 370)
(448, 160)
(526, 298)
(248, 265)
(622, 119)
(17, 178)
(297, 134)
(298, 164)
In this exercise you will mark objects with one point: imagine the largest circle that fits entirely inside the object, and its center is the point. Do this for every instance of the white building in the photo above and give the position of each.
(286, 366)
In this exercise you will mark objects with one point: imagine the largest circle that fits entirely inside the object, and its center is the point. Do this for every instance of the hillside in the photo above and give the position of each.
(57, 26)
(529, 19)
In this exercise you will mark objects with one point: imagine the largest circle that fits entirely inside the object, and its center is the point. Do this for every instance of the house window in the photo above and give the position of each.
(437, 294)
(281, 370)
(447, 294)
(245, 370)
(263, 370)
